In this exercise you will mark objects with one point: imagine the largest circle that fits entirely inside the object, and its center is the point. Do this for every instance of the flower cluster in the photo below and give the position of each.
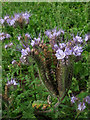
(21, 18)
(25, 41)
(24, 56)
(12, 82)
(4, 36)
(65, 48)
(25, 52)
(81, 105)
(53, 34)
(62, 48)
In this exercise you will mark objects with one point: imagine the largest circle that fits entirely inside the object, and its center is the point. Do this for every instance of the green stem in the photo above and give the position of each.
(33, 77)
(77, 115)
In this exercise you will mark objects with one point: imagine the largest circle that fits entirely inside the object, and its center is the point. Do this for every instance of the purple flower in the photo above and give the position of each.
(6, 46)
(10, 44)
(8, 83)
(73, 99)
(2, 37)
(12, 22)
(25, 51)
(12, 82)
(81, 106)
(1, 21)
(68, 51)
(26, 15)
(53, 33)
(51, 36)
(60, 54)
(77, 50)
(1, 33)
(8, 36)
(8, 21)
(62, 31)
(27, 35)
(54, 30)
(79, 39)
(28, 49)
(14, 62)
(56, 47)
(48, 33)
(87, 99)
(37, 40)
(58, 33)
(16, 16)
(62, 45)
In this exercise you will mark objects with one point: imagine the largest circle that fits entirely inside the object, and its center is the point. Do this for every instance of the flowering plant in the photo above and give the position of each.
(60, 57)
(55, 59)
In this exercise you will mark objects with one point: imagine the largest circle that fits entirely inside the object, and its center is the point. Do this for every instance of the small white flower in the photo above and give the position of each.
(6, 17)
(60, 54)
(32, 43)
(19, 37)
(14, 82)
(86, 38)
(79, 39)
